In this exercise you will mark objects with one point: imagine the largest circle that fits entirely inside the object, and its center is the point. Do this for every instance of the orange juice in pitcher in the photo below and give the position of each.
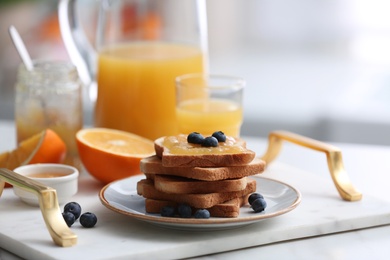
(136, 86)
(140, 47)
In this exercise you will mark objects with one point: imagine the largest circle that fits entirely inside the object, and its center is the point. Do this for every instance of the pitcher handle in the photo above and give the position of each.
(81, 52)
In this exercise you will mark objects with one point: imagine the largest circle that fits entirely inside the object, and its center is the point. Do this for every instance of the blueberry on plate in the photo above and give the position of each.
(253, 197)
(168, 211)
(258, 205)
(184, 211)
(88, 220)
(221, 137)
(74, 208)
(210, 141)
(195, 138)
(69, 218)
(202, 213)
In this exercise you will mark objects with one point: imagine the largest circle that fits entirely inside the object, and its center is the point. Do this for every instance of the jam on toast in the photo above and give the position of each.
(175, 151)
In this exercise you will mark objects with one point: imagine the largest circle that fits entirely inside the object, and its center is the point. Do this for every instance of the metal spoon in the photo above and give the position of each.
(23, 53)
(21, 48)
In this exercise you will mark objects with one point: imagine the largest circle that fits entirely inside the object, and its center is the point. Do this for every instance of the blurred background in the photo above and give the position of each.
(318, 68)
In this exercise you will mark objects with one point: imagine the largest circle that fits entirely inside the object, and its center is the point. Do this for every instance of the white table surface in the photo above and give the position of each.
(369, 170)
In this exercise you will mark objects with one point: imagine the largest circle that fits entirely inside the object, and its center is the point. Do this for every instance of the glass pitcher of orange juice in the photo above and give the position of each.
(140, 47)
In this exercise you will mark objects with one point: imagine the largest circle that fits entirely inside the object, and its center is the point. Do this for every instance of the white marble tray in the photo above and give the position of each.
(23, 232)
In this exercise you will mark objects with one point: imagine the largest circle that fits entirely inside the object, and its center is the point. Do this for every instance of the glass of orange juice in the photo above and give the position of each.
(209, 103)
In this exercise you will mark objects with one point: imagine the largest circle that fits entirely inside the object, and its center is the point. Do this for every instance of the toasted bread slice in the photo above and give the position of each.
(227, 209)
(146, 188)
(153, 165)
(180, 185)
(175, 151)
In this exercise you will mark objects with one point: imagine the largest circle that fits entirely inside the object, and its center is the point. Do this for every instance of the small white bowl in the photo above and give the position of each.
(62, 178)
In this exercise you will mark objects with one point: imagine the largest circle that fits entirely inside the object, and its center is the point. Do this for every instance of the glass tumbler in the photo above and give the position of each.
(50, 96)
(208, 103)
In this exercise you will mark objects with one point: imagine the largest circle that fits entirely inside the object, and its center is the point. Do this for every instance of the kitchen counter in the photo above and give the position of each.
(368, 167)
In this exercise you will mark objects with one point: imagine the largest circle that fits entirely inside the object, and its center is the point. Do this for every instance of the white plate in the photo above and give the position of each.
(121, 196)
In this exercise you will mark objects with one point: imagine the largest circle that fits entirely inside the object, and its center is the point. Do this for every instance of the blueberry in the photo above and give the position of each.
(184, 211)
(221, 137)
(69, 218)
(88, 220)
(253, 197)
(74, 208)
(195, 138)
(202, 213)
(168, 211)
(258, 205)
(210, 141)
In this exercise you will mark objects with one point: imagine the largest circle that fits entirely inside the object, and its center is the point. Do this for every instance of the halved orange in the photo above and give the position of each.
(110, 155)
(44, 147)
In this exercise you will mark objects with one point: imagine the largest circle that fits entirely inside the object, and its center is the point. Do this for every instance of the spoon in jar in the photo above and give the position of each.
(23, 53)
(21, 48)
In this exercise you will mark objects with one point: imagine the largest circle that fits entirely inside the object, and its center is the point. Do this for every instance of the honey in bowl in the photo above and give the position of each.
(63, 178)
(47, 175)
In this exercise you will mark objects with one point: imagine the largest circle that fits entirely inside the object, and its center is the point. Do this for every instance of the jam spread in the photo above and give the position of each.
(179, 145)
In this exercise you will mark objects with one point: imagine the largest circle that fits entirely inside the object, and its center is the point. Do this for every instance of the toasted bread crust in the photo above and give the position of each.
(228, 209)
(146, 189)
(153, 165)
(213, 178)
(202, 160)
(180, 185)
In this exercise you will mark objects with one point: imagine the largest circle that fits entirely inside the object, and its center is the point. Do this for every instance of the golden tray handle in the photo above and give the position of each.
(333, 154)
(55, 223)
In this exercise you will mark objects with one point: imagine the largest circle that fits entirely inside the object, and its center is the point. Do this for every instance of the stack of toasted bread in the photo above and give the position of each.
(212, 178)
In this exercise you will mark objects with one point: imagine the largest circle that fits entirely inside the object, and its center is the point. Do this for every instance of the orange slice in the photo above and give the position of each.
(110, 154)
(44, 147)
